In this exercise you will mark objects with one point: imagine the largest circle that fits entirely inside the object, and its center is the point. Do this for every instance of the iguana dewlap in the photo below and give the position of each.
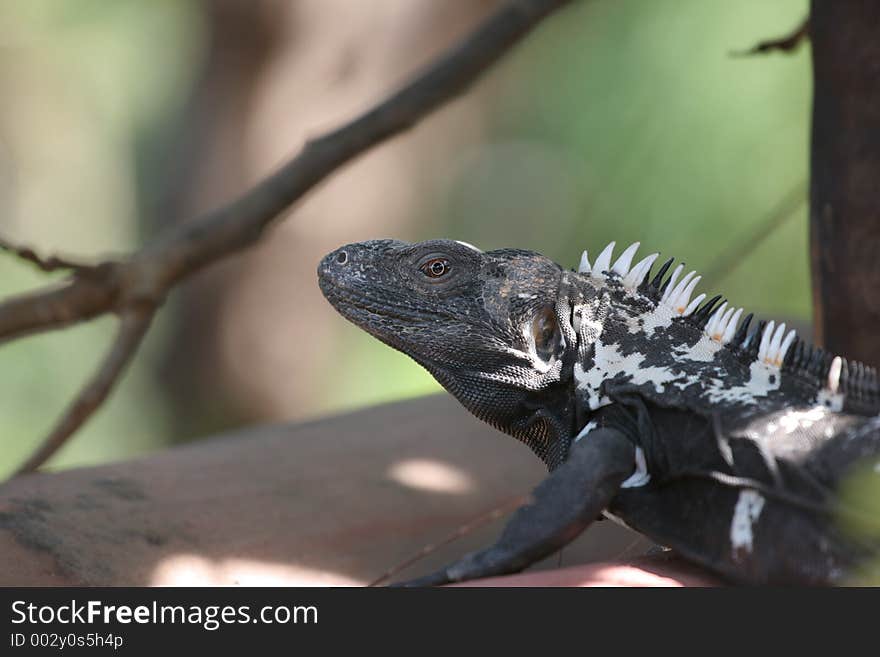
(721, 439)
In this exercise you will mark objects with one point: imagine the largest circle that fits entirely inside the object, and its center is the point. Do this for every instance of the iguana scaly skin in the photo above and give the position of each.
(723, 440)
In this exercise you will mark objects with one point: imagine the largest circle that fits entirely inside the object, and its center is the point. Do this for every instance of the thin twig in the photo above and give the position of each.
(193, 245)
(133, 326)
(176, 254)
(49, 264)
(465, 529)
(789, 43)
(734, 256)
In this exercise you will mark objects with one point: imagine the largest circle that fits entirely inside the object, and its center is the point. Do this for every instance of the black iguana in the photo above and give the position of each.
(721, 440)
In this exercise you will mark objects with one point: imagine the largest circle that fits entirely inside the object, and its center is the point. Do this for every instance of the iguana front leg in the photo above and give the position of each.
(562, 506)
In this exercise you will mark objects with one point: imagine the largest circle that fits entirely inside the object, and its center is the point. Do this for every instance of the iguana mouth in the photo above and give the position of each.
(349, 303)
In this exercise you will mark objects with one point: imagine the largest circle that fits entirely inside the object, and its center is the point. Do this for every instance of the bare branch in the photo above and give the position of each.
(787, 44)
(198, 243)
(132, 329)
(147, 276)
(74, 300)
(50, 264)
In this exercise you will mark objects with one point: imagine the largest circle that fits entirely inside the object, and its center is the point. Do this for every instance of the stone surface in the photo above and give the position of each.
(335, 501)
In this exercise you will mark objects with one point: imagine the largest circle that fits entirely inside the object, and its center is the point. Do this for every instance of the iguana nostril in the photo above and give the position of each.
(341, 258)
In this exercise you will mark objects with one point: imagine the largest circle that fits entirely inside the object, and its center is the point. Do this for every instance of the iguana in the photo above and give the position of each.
(723, 441)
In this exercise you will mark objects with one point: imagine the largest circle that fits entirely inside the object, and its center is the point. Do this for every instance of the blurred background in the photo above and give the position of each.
(625, 120)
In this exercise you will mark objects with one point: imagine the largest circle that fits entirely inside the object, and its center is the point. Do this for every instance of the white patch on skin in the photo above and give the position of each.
(703, 351)
(745, 515)
(540, 365)
(584, 383)
(505, 376)
(608, 362)
(656, 320)
(720, 330)
(641, 476)
(833, 401)
(758, 385)
(592, 324)
(660, 317)
(588, 427)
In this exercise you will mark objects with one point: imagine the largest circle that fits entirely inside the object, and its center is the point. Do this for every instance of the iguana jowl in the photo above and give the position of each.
(721, 440)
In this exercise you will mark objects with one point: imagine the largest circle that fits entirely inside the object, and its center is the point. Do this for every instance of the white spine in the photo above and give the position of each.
(584, 266)
(693, 305)
(786, 344)
(731, 326)
(713, 327)
(682, 300)
(765, 340)
(603, 260)
(637, 274)
(621, 266)
(670, 288)
(723, 324)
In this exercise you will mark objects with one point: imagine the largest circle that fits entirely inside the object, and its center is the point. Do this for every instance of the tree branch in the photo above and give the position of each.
(132, 329)
(787, 44)
(50, 264)
(74, 300)
(147, 276)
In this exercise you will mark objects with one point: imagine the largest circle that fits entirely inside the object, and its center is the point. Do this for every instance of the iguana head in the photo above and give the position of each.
(492, 327)
(533, 349)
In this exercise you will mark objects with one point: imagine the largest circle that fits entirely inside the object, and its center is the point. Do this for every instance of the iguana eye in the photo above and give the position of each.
(545, 331)
(435, 268)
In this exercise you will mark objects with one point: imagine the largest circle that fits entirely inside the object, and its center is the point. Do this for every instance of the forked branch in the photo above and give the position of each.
(143, 279)
(132, 328)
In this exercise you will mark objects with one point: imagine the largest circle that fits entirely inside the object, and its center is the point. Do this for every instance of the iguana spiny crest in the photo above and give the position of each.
(535, 350)
(650, 333)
